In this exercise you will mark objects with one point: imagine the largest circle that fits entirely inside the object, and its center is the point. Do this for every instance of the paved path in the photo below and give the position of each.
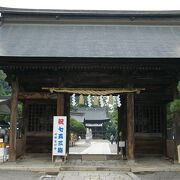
(95, 147)
(24, 175)
(98, 148)
(160, 176)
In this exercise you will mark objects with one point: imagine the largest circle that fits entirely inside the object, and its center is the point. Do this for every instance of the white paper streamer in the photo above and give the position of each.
(101, 101)
(74, 99)
(118, 101)
(89, 100)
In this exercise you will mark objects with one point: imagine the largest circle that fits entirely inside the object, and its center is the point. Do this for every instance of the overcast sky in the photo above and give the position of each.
(94, 4)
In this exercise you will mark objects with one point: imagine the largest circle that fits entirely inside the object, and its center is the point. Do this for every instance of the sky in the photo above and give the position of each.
(142, 5)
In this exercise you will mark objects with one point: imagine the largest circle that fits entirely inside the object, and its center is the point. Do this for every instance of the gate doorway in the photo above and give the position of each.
(94, 128)
(102, 124)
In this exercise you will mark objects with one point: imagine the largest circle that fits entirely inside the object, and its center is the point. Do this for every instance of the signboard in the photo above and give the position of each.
(59, 136)
(121, 143)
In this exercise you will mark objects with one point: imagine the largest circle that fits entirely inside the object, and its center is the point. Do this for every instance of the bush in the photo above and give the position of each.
(175, 105)
(76, 126)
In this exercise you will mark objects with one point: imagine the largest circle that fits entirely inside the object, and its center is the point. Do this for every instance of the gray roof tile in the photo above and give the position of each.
(54, 40)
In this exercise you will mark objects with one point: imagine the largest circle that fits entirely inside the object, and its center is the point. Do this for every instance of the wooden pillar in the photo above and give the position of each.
(176, 125)
(60, 104)
(130, 126)
(123, 122)
(119, 133)
(25, 123)
(177, 135)
(164, 129)
(13, 121)
(67, 113)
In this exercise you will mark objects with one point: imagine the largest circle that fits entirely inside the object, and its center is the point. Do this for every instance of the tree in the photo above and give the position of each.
(76, 126)
(172, 108)
(113, 114)
(175, 105)
(4, 91)
(111, 126)
(4, 88)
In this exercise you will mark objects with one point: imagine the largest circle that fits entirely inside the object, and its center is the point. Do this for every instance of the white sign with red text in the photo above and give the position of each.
(59, 135)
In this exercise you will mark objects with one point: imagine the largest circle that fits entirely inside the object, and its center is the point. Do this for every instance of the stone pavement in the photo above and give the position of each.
(159, 176)
(96, 146)
(148, 164)
(96, 175)
(87, 175)
(25, 175)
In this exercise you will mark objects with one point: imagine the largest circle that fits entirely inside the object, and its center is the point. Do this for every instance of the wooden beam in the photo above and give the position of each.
(13, 121)
(35, 95)
(130, 125)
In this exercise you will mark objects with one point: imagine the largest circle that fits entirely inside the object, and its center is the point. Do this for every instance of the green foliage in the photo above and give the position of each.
(111, 126)
(4, 91)
(172, 108)
(175, 105)
(170, 117)
(76, 126)
(178, 86)
(2, 78)
(19, 110)
(114, 115)
(4, 88)
(2, 75)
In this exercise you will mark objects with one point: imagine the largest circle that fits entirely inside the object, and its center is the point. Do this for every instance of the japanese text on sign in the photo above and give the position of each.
(59, 135)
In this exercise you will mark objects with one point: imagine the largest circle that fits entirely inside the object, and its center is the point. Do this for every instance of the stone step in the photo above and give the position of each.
(94, 168)
(94, 175)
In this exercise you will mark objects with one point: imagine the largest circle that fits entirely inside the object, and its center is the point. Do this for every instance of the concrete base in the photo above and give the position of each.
(43, 163)
(176, 162)
(131, 162)
(94, 157)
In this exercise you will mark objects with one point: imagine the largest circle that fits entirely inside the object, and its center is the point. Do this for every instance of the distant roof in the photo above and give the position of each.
(4, 105)
(94, 114)
(4, 99)
(93, 125)
(78, 116)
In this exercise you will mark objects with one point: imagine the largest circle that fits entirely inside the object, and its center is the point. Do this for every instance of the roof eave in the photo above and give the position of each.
(90, 12)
